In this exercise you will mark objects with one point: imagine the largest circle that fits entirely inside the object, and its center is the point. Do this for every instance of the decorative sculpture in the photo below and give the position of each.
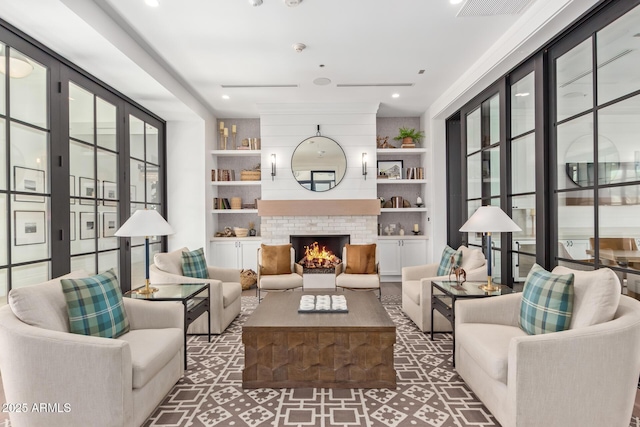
(458, 272)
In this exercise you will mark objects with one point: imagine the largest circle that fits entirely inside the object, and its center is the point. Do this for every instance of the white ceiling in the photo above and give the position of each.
(174, 59)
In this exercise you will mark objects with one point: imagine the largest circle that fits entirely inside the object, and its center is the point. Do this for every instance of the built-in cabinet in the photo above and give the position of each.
(235, 253)
(398, 252)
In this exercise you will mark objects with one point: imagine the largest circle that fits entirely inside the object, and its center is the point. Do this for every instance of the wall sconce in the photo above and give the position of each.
(273, 167)
(364, 165)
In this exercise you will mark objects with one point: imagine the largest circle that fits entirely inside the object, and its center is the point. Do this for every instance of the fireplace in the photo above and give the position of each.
(332, 242)
(319, 275)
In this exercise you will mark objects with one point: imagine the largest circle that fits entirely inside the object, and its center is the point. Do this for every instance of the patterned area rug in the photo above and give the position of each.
(429, 392)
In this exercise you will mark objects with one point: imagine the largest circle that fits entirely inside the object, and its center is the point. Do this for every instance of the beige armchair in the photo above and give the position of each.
(224, 286)
(584, 376)
(416, 288)
(278, 282)
(358, 281)
(105, 382)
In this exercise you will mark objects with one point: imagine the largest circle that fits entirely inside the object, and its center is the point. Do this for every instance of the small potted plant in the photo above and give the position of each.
(409, 137)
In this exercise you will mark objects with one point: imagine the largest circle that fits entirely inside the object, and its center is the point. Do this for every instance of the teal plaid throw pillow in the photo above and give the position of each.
(194, 264)
(95, 305)
(547, 302)
(445, 261)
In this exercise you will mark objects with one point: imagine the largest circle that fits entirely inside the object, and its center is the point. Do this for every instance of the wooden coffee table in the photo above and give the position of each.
(287, 349)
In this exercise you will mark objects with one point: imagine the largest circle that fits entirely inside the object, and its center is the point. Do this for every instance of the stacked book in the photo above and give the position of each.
(223, 175)
(221, 203)
(415, 173)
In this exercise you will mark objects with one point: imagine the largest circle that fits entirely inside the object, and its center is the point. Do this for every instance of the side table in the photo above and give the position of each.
(444, 294)
(189, 295)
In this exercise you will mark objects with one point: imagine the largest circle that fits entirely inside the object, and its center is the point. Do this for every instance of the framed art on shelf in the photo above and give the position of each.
(391, 169)
(109, 193)
(88, 225)
(109, 224)
(87, 187)
(29, 228)
(29, 181)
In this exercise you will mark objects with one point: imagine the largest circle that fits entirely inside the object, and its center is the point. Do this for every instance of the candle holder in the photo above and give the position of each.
(233, 138)
(223, 145)
(224, 142)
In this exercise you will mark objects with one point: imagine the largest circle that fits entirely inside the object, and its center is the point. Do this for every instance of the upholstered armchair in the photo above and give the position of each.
(224, 286)
(276, 270)
(103, 381)
(360, 269)
(584, 376)
(416, 288)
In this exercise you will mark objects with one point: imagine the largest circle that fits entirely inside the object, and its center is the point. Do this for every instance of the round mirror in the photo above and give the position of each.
(318, 163)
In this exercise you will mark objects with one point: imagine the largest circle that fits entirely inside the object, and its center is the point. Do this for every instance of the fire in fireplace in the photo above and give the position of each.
(318, 257)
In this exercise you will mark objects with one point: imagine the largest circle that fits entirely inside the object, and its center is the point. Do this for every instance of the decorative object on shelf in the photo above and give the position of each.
(145, 223)
(397, 202)
(416, 229)
(221, 130)
(419, 202)
(458, 272)
(227, 232)
(251, 175)
(364, 165)
(233, 136)
(383, 142)
(487, 220)
(252, 229)
(241, 232)
(406, 203)
(387, 230)
(273, 167)
(401, 232)
(225, 138)
(236, 203)
(381, 201)
(414, 173)
(248, 278)
(391, 169)
(409, 137)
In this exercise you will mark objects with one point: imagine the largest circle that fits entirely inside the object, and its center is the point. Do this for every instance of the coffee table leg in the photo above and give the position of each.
(433, 307)
(185, 335)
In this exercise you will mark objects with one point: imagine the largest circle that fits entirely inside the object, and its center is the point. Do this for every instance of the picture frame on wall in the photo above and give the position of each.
(29, 228)
(72, 227)
(28, 180)
(87, 188)
(391, 169)
(109, 193)
(72, 189)
(88, 225)
(109, 224)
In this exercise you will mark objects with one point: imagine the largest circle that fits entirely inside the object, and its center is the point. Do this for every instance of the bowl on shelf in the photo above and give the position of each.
(241, 232)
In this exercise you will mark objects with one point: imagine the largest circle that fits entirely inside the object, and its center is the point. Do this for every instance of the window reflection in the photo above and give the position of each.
(574, 81)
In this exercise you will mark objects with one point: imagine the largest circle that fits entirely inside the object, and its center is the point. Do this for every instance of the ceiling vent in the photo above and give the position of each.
(375, 85)
(493, 7)
(255, 86)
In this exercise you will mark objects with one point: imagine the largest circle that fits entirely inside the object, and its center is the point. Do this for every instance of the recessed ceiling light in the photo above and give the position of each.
(255, 2)
(225, 96)
(455, 1)
(292, 3)
(152, 3)
(321, 81)
(522, 94)
(395, 95)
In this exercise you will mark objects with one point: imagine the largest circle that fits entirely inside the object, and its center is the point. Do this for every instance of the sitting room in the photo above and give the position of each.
(249, 213)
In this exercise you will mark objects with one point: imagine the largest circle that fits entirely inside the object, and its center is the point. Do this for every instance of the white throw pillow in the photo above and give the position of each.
(596, 295)
(43, 305)
(170, 262)
(471, 258)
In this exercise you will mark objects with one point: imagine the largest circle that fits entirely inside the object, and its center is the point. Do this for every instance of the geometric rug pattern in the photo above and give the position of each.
(428, 393)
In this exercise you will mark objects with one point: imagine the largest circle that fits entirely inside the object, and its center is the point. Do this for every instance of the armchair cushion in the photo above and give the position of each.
(450, 257)
(547, 302)
(171, 262)
(596, 296)
(194, 264)
(360, 259)
(43, 305)
(95, 305)
(276, 259)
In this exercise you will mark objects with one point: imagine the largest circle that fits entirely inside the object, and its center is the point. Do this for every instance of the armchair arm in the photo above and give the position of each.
(93, 375)
(501, 310)
(224, 274)
(419, 271)
(154, 315)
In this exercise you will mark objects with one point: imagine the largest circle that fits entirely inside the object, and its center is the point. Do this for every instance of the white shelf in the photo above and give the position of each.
(403, 209)
(235, 211)
(229, 239)
(400, 151)
(235, 153)
(235, 183)
(408, 236)
(401, 181)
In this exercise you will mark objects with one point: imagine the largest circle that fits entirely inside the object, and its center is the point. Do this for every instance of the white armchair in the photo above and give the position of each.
(278, 282)
(357, 281)
(104, 381)
(582, 377)
(416, 288)
(224, 286)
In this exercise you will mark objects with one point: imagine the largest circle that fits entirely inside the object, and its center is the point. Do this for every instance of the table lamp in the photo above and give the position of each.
(145, 223)
(487, 220)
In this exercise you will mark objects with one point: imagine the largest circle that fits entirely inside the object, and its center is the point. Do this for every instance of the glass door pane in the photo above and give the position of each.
(574, 81)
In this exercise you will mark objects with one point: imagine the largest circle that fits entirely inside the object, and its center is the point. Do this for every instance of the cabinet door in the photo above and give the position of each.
(249, 255)
(225, 254)
(413, 252)
(390, 262)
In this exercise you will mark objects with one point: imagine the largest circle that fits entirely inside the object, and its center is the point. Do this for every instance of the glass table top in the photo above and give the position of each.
(169, 292)
(470, 288)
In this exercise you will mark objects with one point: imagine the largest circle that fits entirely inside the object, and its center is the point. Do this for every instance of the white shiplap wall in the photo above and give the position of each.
(284, 126)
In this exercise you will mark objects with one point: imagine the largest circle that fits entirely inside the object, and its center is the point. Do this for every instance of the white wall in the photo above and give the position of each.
(284, 126)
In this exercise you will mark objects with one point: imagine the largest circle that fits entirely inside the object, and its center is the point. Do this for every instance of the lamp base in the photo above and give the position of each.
(489, 287)
(147, 290)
